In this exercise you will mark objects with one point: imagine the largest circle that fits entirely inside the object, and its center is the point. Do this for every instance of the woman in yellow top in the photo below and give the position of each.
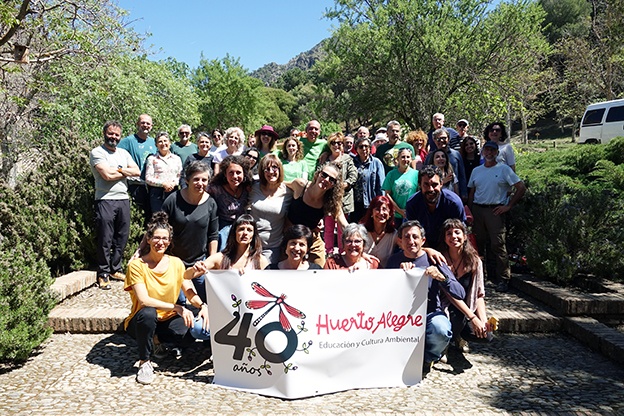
(154, 281)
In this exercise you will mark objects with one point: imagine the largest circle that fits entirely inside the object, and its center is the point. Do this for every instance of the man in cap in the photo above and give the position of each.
(489, 202)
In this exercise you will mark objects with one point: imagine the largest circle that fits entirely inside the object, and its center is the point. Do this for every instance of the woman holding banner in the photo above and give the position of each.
(154, 281)
(243, 250)
(355, 241)
(468, 317)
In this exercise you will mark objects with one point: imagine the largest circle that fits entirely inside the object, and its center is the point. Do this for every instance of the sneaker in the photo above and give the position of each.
(146, 373)
(103, 282)
(176, 353)
(118, 276)
(503, 286)
(160, 351)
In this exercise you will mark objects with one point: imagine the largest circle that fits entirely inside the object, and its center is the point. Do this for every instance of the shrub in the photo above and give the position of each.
(52, 208)
(571, 220)
(25, 301)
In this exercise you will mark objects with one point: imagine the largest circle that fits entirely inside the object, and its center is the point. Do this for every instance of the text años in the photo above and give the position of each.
(386, 320)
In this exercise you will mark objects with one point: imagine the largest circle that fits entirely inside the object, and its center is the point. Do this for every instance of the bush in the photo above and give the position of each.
(52, 208)
(571, 220)
(25, 301)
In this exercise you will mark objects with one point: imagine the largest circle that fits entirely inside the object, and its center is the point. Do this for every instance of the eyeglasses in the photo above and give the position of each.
(439, 139)
(271, 168)
(325, 175)
(462, 126)
(184, 133)
(336, 143)
(363, 146)
(264, 133)
(495, 129)
(163, 239)
(252, 157)
(350, 242)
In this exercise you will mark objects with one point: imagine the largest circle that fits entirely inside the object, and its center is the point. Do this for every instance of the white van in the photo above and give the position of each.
(602, 122)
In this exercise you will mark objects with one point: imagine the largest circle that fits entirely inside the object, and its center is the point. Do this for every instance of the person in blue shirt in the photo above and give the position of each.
(441, 137)
(438, 333)
(140, 146)
(432, 205)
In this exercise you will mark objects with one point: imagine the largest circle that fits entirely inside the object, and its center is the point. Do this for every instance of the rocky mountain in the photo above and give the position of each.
(306, 60)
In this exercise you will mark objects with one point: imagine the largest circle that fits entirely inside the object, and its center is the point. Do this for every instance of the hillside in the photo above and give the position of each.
(306, 60)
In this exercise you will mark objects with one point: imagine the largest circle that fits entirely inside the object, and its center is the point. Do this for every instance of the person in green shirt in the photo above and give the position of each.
(388, 151)
(312, 146)
(400, 184)
(184, 148)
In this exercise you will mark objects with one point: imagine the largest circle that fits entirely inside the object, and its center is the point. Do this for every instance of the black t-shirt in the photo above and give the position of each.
(194, 227)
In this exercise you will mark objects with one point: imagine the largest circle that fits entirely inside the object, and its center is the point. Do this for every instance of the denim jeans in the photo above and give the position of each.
(223, 236)
(200, 288)
(197, 331)
(437, 335)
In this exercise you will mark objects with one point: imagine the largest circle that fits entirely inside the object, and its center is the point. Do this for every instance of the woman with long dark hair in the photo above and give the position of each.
(230, 189)
(243, 249)
(468, 316)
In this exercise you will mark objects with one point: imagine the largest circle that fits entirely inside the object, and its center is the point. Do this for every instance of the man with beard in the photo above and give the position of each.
(111, 166)
(140, 146)
(432, 205)
(488, 201)
(441, 137)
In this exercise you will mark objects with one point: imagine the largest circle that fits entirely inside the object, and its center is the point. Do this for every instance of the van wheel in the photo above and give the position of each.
(591, 141)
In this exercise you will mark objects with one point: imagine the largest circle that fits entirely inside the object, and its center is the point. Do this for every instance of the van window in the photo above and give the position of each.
(615, 114)
(593, 117)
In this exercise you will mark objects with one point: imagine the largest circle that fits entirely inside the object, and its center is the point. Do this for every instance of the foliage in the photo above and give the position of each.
(425, 56)
(571, 220)
(79, 36)
(227, 95)
(83, 101)
(565, 18)
(25, 301)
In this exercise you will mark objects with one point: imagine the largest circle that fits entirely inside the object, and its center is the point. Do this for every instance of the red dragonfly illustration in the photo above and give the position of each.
(279, 301)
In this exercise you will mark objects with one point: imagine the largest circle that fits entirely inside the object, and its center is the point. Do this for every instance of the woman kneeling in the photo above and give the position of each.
(154, 281)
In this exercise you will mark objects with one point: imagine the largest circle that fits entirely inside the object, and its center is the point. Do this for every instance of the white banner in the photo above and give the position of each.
(295, 334)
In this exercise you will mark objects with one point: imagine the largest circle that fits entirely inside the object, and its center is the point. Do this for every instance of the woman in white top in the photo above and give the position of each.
(234, 139)
(162, 172)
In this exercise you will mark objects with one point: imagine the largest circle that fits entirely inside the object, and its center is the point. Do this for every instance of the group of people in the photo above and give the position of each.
(222, 204)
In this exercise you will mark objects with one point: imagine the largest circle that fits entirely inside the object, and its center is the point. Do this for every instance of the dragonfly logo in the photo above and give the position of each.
(242, 343)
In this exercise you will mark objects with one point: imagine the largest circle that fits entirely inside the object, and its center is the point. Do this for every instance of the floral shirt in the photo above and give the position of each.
(162, 169)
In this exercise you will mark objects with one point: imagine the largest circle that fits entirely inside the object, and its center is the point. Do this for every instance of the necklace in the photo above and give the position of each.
(456, 267)
(379, 236)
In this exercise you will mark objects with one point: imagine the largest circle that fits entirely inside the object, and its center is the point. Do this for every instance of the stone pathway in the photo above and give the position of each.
(95, 374)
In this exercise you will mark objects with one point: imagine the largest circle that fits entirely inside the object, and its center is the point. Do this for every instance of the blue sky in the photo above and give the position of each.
(258, 32)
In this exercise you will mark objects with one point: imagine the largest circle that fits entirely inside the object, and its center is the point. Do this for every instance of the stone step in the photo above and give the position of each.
(526, 321)
(597, 336)
(87, 320)
(566, 302)
(72, 283)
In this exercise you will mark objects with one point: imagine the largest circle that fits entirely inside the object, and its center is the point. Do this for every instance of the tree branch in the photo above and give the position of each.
(20, 16)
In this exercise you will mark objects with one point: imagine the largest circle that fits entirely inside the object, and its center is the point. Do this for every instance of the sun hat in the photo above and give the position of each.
(267, 129)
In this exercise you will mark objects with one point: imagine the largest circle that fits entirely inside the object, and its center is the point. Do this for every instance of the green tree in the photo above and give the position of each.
(414, 58)
(80, 34)
(228, 96)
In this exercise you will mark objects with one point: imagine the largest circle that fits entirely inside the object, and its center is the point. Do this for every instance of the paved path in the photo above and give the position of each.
(95, 374)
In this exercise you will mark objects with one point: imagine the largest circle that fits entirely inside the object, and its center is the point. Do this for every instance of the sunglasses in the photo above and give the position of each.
(264, 133)
(325, 175)
(495, 129)
(184, 133)
(336, 143)
(272, 168)
(363, 146)
(252, 157)
(441, 138)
